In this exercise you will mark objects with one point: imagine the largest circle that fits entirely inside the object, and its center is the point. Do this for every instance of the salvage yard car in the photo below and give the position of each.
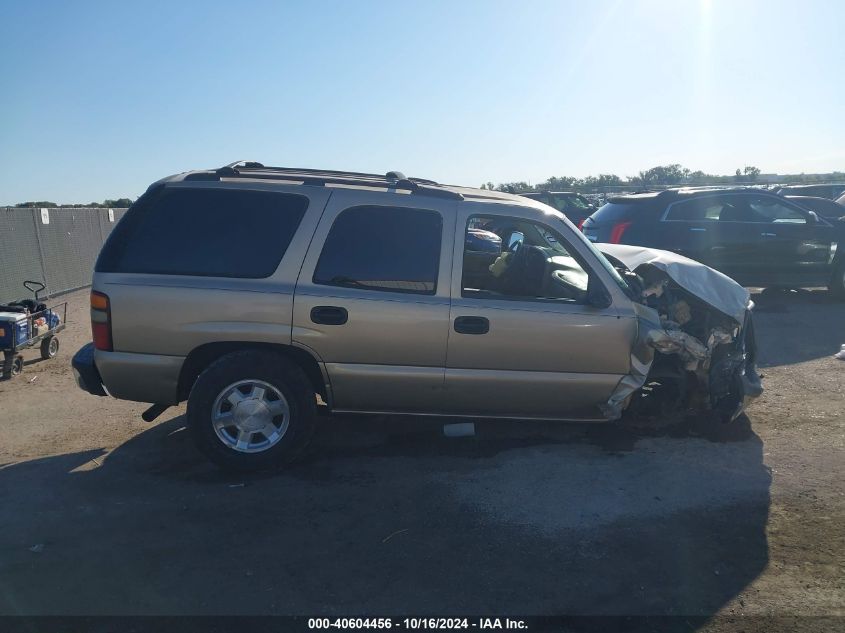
(574, 206)
(755, 237)
(828, 209)
(831, 191)
(258, 294)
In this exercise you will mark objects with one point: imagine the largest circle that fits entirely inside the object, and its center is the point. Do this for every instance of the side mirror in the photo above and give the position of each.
(597, 294)
(814, 217)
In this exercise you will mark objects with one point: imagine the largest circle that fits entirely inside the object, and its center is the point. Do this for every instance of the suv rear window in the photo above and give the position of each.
(382, 248)
(207, 232)
(616, 211)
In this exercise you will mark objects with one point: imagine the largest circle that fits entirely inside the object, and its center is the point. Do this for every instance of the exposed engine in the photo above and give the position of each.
(691, 354)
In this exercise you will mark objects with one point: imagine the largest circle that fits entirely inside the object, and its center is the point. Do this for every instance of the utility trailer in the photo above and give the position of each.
(27, 323)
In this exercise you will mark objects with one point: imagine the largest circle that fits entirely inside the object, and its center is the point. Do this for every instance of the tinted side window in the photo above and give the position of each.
(382, 248)
(204, 232)
(768, 209)
(696, 210)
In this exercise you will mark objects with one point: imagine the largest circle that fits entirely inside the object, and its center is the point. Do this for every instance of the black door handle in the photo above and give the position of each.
(329, 315)
(472, 325)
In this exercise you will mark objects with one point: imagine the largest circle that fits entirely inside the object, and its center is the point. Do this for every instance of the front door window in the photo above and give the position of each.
(513, 258)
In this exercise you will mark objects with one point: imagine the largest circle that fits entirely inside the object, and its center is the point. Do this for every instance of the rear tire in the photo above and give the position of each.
(12, 366)
(251, 411)
(836, 287)
(49, 347)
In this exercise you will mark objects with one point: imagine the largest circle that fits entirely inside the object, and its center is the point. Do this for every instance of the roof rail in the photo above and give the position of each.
(321, 177)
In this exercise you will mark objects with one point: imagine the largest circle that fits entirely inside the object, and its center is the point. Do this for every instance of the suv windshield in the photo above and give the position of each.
(572, 200)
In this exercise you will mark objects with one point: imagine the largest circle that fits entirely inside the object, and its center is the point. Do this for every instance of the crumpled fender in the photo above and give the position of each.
(642, 356)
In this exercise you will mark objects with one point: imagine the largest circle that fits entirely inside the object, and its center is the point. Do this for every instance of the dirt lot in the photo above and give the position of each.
(103, 513)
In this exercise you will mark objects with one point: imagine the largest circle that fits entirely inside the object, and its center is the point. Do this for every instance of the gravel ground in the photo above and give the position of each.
(103, 513)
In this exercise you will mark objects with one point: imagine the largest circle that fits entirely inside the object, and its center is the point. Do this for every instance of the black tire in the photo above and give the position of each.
(836, 287)
(270, 368)
(12, 366)
(49, 347)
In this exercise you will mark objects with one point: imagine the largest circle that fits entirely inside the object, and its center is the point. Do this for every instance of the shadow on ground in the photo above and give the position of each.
(390, 517)
(797, 325)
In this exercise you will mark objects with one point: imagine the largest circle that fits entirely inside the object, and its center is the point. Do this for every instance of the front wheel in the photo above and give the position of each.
(252, 411)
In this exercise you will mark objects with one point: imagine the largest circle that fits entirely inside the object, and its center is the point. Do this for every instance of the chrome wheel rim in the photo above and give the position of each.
(250, 416)
(53, 347)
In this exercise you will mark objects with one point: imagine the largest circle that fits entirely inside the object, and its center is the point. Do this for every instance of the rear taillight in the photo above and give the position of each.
(101, 321)
(617, 231)
(581, 225)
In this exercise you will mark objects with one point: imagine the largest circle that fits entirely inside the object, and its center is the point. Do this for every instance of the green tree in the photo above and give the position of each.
(664, 175)
(37, 205)
(514, 187)
(698, 177)
(556, 183)
(751, 172)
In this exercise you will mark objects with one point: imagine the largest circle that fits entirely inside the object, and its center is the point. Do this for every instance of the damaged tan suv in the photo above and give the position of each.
(259, 294)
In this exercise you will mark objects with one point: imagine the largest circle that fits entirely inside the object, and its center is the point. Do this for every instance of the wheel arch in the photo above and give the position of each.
(204, 355)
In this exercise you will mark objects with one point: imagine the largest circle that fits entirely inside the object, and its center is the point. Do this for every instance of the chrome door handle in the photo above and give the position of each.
(697, 230)
(769, 234)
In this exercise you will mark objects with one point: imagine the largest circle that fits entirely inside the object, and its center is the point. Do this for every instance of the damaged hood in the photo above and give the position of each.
(714, 288)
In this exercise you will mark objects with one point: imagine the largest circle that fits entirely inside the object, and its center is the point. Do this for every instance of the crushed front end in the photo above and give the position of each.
(695, 348)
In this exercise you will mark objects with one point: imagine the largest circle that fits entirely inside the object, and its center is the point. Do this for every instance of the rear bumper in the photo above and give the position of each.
(138, 377)
(85, 371)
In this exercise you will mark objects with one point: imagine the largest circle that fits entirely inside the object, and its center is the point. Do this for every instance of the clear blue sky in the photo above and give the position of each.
(102, 98)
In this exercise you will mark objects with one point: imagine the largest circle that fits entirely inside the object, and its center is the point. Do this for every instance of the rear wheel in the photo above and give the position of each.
(252, 411)
(49, 347)
(12, 365)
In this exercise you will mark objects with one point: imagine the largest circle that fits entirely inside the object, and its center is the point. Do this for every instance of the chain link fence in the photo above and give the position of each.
(55, 246)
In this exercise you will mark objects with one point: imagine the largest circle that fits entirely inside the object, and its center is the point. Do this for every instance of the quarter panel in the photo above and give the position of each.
(172, 317)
